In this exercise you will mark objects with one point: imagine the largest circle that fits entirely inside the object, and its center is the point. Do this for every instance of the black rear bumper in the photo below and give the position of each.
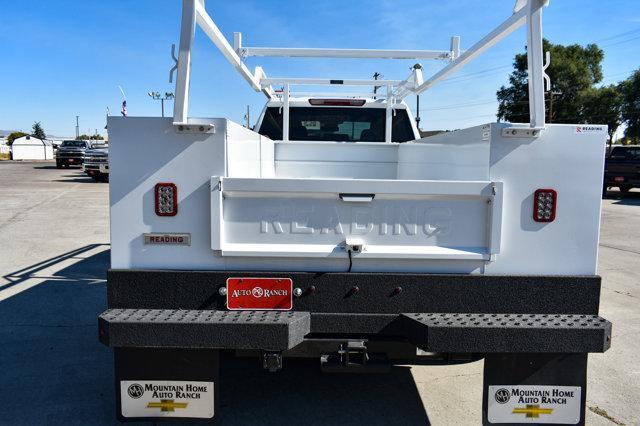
(437, 313)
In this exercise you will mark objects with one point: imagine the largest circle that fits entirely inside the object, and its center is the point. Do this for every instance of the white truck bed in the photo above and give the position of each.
(459, 202)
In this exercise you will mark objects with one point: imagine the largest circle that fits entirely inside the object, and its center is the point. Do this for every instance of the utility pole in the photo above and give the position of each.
(156, 96)
(77, 126)
(552, 95)
(418, 111)
(248, 117)
(414, 68)
(376, 76)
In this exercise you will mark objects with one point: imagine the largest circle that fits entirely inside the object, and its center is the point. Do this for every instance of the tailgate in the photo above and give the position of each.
(286, 217)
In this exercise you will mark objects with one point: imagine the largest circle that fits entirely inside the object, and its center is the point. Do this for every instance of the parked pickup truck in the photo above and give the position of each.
(96, 162)
(71, 153)
(622, 169)
(336, 232)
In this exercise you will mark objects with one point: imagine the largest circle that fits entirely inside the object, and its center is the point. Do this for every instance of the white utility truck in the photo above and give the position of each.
(332, 230)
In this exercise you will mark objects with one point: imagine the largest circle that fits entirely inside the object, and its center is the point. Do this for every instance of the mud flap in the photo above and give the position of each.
(155, 384)
(534, 389)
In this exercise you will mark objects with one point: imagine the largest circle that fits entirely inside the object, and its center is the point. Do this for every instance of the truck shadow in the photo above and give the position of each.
(75, 176)
(301, 393)
(631, 198)
(53, 368)
(55, 371)
(48, 166)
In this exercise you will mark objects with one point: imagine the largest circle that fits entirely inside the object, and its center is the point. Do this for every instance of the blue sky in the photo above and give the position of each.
(64, 58)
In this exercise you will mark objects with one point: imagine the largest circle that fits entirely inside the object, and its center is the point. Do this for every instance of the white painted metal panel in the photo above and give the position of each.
(460, 155)
(338, 160)
(145, 151)
(397, 219)
(560, 159)
(248, 154)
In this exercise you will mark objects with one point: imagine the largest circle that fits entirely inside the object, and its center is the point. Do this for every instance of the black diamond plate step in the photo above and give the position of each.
(507, 333)
(268, 330)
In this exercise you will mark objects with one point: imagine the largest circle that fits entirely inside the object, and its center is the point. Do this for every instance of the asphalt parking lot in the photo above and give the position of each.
(54, 251)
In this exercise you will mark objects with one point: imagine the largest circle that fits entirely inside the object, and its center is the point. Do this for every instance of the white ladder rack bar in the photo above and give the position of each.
(525, 12)
(295, 52)
(337, 95)
(514, 22)
(325, 81)
(212, 30)
(535, 63)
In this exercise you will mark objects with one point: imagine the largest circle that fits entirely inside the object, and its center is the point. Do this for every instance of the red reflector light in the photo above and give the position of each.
(337, 102)
(166, 199)
(544, 205)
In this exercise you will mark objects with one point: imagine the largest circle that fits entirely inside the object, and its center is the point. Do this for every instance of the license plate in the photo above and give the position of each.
(618, 179)
(274, 294)
(71, 160)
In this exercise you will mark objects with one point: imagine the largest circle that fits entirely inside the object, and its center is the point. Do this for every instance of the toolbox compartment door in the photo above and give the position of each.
(402, 219)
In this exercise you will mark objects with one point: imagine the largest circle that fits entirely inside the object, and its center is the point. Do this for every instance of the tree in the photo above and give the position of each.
(13, 136)
(86, 137)
(38, 131)
(573, 70)
(602, 106)
(630, 111)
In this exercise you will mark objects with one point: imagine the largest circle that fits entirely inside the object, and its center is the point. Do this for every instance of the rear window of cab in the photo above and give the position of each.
(336, 124)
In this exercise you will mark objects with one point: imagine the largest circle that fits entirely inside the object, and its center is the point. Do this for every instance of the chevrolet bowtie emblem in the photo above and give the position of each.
(532, 411)
(167, 405)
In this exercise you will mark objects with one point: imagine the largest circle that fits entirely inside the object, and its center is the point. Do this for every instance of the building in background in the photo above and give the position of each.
(31, 148)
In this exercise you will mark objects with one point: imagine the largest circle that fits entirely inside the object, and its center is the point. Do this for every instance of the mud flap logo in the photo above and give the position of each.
(532, 411)
(534, 404)
(502, 396)
(164, 398)
(167, 405)
(135, 391)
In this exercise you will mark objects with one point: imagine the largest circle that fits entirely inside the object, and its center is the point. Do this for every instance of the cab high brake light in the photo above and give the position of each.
(166, 196)
(544, 205)
(337, 102)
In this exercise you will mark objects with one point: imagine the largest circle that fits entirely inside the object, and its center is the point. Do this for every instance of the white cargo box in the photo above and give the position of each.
(459, 202)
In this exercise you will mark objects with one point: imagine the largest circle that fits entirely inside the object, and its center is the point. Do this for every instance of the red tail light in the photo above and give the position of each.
(166, 199)
(544, 205)
(337, 102)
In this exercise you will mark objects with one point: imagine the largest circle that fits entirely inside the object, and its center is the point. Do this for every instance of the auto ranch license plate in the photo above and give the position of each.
(274, 294)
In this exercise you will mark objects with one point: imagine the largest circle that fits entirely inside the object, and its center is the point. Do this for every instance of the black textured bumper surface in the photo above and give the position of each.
(330, 308)
(277, 331)
(507, 333)
(377, 292)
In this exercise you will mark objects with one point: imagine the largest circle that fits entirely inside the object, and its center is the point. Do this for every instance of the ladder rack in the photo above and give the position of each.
(525, 12)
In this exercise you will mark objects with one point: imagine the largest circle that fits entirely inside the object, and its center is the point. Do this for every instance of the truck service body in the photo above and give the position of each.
(334, 231)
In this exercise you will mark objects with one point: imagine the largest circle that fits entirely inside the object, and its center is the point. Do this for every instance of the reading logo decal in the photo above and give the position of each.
(160, 398)
(590, 129)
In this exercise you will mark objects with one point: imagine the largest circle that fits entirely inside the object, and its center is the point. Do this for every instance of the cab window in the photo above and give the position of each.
(336, 124)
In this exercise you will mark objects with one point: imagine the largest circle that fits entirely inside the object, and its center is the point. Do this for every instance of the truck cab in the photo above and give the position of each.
(71, 153)
(337, 120)
(622, 169)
